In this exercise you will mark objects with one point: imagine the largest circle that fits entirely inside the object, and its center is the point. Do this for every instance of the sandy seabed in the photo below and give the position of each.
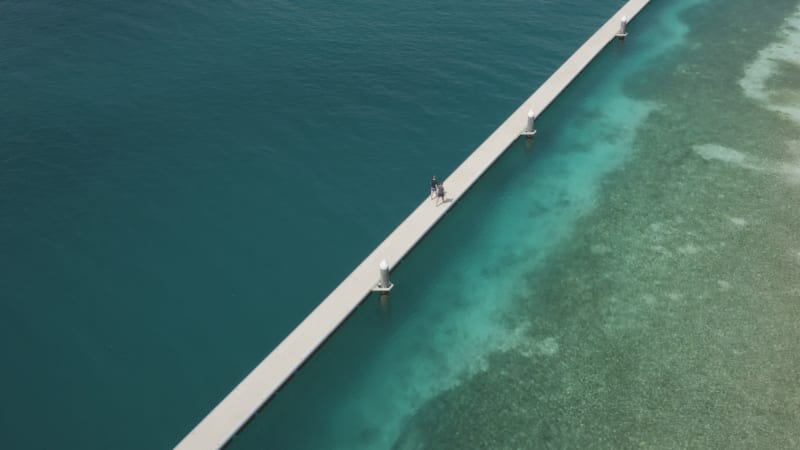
(670, 317)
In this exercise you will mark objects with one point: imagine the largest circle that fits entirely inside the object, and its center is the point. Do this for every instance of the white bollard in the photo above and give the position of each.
(384, 283)
(622, 24)
(530, 128)
(531, 118)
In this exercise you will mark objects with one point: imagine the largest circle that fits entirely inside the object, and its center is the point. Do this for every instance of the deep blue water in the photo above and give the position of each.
(181, 182)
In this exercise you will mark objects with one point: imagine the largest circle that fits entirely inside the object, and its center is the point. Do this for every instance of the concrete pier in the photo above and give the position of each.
(234, 411)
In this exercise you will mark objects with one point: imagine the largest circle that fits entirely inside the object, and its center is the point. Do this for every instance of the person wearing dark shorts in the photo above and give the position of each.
(434, 183)
(439, 193)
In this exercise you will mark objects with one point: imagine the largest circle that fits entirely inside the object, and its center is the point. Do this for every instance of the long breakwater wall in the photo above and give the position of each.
(244, 401)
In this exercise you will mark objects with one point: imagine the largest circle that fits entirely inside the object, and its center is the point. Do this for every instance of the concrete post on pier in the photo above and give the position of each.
(384, 283)
(530, 128)
(622, 24)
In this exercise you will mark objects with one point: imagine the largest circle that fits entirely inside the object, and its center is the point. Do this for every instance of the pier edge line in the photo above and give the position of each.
(237, 409)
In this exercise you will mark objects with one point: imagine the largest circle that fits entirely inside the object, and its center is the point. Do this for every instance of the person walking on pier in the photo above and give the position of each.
(439, 193)
(434, 183)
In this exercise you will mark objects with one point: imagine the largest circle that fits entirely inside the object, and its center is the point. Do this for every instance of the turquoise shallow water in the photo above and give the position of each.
(180, 183)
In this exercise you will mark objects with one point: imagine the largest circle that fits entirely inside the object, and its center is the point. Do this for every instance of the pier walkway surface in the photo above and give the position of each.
(236, 409)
